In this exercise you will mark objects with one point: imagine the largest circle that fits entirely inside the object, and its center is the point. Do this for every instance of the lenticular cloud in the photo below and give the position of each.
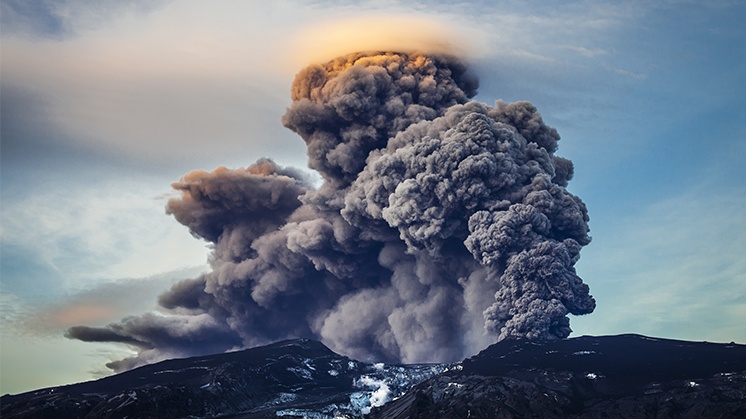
(442, 225)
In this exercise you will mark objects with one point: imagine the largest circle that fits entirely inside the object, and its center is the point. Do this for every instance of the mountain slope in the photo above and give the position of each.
(295, 377)
(612, 376)
(608, 376)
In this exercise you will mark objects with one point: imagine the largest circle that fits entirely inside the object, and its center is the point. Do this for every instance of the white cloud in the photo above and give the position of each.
(586, 52)
(181, 80)
(190, 76)
(627, 73)
(117, 229)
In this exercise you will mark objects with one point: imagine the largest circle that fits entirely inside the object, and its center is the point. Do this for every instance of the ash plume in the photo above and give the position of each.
(442, 225)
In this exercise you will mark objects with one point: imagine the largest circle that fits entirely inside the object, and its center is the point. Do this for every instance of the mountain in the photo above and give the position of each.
(626, 376)
(608, 376)
(301, 378)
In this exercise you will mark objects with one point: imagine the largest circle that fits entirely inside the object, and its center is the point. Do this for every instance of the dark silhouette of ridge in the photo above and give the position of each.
(586, 377)
(628, 357)
(608, 376)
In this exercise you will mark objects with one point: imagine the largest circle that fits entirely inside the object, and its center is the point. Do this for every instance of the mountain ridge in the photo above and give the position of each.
(626, 375)
(584, 376)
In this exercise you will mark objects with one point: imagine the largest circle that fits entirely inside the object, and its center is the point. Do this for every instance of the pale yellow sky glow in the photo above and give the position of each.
(327, 39)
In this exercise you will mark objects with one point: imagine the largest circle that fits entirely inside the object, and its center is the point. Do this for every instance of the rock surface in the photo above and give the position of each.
(611, 376)
(588, 377)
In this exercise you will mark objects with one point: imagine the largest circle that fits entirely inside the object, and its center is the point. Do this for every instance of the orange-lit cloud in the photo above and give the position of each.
(329, 39)
(71, 315)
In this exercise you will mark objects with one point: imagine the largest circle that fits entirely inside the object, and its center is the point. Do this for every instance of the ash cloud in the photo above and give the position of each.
(442, 225)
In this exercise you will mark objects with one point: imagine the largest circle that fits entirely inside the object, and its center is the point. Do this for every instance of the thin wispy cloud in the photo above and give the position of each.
(104, 232)
(162, 81)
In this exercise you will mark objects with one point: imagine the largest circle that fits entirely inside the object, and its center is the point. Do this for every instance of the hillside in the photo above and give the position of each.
(612, 376)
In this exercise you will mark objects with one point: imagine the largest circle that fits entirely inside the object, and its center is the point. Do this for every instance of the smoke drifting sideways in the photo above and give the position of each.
(442, 225)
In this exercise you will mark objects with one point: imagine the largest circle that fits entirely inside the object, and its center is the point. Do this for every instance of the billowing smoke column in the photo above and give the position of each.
(442, 225)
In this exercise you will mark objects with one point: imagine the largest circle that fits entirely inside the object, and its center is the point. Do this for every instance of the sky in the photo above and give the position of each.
(105, 104)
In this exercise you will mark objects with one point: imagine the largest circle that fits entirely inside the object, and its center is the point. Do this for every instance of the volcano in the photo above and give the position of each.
(606, 376)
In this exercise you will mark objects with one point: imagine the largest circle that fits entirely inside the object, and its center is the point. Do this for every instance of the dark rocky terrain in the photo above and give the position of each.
(614, 376)
(626, 376)
(297, 378)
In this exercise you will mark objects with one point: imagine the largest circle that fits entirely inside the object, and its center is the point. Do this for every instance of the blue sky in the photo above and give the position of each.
(103, 106)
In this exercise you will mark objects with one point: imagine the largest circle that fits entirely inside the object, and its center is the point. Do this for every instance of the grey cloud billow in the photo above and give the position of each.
(441, 226)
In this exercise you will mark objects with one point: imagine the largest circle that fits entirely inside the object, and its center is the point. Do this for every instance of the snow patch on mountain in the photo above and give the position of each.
(378, 397)
(301, 372)
(383, 383)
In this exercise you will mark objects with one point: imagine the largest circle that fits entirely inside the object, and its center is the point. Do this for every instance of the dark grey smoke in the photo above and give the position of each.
(442, 225)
